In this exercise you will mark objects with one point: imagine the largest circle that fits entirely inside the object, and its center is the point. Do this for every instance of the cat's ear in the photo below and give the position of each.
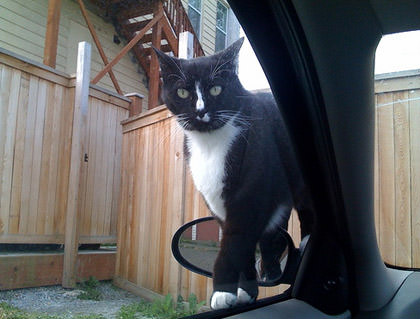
(231, 53)
(168, 64)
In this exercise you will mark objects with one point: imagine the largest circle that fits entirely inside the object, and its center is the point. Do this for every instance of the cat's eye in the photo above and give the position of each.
(183, 93)
(216, 90)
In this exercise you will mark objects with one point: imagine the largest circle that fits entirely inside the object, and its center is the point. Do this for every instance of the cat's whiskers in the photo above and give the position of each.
(238, 114)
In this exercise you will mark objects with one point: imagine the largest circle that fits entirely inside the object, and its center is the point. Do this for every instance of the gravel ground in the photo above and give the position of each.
(57, 300)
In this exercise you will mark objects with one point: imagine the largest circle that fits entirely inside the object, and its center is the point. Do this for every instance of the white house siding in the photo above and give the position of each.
(22, 30)
(208, 24)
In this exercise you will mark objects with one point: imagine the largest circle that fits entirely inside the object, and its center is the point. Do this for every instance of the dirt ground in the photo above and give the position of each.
(57, 300)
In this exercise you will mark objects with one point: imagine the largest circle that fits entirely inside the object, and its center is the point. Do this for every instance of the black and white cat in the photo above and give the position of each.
(242, 162)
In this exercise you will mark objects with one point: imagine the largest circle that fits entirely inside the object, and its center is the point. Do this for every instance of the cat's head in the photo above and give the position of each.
(202, 92)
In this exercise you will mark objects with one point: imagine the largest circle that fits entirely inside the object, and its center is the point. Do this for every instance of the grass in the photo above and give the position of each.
(9, 312)
(90, 290)
(165, 308)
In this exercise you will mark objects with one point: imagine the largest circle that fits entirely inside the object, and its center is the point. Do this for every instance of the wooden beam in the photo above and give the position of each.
(98, 45)
(164, 48)
(71, 236)
(127, 48)
(51, 35)
(170, 35)
(154, 78)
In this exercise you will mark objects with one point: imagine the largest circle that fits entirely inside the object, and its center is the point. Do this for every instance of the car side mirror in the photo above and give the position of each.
(196, 246)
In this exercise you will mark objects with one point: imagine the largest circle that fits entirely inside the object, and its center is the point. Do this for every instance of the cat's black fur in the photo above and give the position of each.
(261, 172)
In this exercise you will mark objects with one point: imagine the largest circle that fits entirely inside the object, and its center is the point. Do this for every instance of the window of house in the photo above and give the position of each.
(194, 13)
(397, 145)
(221, 26)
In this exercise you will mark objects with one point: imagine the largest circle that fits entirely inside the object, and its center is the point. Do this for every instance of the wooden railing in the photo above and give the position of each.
(180, 22)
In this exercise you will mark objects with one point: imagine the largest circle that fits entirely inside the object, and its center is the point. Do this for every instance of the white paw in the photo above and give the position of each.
(243, 297)
(222, 300)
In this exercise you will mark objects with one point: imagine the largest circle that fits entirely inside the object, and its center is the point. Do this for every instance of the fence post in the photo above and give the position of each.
(136, 106)
(186, 45)
(71, 240)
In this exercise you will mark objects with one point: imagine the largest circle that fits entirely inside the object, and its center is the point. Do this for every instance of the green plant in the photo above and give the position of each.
(9, 312)
(90, 290)
(162, 308)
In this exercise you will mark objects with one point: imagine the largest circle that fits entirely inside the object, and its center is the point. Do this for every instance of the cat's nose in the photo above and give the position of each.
(201, 113)
(203, 116)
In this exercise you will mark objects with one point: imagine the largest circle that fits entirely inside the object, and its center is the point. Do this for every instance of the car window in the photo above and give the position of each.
(397, 149)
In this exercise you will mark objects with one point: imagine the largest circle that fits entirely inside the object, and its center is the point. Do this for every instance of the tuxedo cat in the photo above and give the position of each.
(241, 161)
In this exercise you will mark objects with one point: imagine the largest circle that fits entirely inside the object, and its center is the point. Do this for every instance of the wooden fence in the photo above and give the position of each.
(157, 197)
(36, 112)
(397, 168)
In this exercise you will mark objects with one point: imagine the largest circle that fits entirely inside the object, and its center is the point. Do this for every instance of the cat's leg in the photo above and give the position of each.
(234, 279)
(273, 245)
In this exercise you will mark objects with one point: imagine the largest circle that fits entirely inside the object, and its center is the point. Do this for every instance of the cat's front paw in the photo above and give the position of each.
(244, 297)
(222, 300)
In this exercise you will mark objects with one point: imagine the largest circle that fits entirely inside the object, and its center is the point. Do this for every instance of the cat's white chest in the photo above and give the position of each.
(207, 163)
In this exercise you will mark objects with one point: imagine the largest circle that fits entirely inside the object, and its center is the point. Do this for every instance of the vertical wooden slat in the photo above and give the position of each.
(66, 125)
(402, 180)
(8, 101)
(15, 208)
(117, 172)
(51, 36)
(77, 153)
(111, 163)
(122, 209)
(100, 173)
(47, 152)
(138, 240)
(164, 247)
(415, 175)
(28, 155)
(5, 82)
(54, 160)
(37, 157)
(386, 171)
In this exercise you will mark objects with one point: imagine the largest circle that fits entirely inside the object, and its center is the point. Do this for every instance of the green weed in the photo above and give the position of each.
(90, 290)
(164, 308)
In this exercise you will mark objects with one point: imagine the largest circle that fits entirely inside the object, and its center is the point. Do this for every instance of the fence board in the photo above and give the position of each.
(386, 173)
(19, 155)
(414, 105)
(402, 180)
